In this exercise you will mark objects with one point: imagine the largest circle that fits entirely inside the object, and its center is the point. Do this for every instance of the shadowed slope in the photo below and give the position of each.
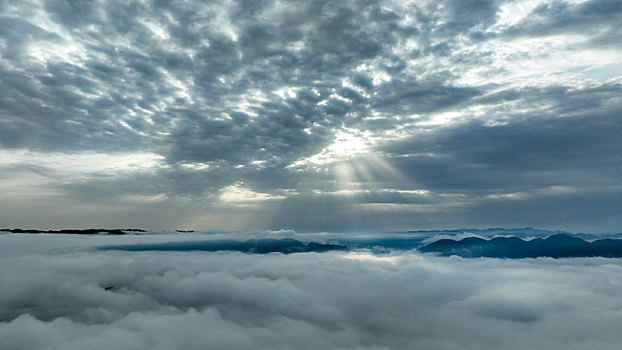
(255, 246)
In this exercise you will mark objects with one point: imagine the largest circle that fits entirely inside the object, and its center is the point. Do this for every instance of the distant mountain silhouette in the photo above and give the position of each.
(254, 246)
(523, 232)
(555, 246)
(513, 243)
(88, 231)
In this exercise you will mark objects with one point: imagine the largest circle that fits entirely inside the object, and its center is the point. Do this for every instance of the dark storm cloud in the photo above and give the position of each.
(563, 144)
(405, 97)
(245, 93)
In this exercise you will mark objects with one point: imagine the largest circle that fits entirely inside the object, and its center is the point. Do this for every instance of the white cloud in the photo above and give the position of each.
(237, 193)
(62, 294)
(82, 163)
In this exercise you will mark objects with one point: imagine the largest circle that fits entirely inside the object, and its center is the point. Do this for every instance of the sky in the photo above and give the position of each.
(311, 115)
(63, 292)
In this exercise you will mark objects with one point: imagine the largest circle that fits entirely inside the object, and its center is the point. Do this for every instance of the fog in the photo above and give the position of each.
(63, 292)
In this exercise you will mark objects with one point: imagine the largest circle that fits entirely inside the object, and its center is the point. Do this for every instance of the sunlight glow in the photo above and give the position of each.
(348, 144)
(373, 258)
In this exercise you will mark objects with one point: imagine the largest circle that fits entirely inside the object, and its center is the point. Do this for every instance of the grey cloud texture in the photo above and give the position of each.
(297, 101)
(559, 17)
(191, 300)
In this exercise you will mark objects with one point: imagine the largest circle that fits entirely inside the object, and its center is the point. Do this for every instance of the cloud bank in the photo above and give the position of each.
(62, 294)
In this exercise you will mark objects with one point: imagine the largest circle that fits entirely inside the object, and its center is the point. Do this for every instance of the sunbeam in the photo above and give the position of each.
(347, 180)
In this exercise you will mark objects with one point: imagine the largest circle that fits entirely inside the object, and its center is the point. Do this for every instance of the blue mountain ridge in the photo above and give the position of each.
(556, 246)
(513, 243)
(254, 246)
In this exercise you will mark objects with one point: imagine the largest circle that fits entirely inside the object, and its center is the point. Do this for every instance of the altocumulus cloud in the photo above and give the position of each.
(63, 294)
(314, 115)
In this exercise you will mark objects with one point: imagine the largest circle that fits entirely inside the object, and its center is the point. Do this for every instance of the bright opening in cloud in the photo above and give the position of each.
(348, 144)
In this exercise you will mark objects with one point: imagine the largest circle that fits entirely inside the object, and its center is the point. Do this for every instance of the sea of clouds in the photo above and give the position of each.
(63, 292)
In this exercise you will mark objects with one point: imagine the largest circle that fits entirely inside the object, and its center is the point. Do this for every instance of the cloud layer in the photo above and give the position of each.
(324, 115)
(61, 294)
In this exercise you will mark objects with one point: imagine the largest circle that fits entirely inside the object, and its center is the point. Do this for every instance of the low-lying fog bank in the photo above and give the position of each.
(62, 292)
